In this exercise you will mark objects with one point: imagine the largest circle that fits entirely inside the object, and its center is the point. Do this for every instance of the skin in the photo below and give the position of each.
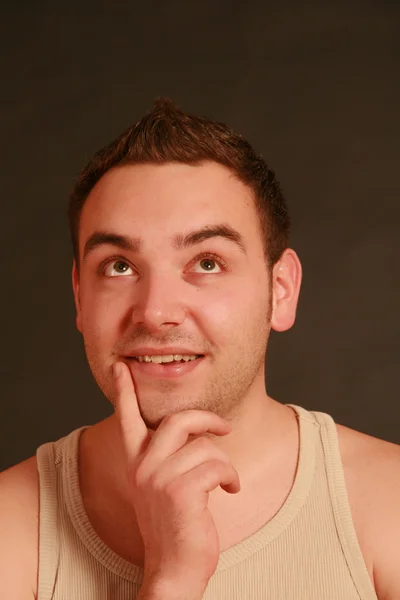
(163, 295)
(167, 297)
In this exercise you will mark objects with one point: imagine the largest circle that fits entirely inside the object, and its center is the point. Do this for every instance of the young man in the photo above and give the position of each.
(200, 485)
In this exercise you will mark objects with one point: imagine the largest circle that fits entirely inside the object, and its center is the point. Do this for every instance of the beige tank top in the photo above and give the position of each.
(307, 551)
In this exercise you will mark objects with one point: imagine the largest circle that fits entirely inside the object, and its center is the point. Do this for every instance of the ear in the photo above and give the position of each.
(75, 287)
(286, 282)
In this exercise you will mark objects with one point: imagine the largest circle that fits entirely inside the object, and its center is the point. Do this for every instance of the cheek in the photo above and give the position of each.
(240, 313)
(102, 315)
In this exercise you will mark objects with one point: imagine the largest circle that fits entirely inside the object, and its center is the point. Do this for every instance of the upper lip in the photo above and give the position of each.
(161, 351)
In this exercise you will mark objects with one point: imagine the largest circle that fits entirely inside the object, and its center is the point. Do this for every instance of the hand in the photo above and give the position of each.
(170, 480)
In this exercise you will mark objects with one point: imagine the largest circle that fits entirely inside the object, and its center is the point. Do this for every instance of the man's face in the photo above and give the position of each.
(210, 297)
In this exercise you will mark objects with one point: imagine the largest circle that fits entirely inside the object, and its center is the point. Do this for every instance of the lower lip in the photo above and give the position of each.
(174, 369)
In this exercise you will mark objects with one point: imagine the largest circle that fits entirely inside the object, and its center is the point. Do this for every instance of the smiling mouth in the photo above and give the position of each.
(171, 359)
(173, 368)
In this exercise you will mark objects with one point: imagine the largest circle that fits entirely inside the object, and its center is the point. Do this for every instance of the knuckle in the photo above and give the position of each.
(216, 454)
(215, 464)
(139, 476)
(221, 468)
(171, 420)
(203, 444)
(176, 490)
(156, 482)
(204, 414)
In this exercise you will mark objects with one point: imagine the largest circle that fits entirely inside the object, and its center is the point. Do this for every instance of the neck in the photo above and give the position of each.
(263, 447)
(262, 432)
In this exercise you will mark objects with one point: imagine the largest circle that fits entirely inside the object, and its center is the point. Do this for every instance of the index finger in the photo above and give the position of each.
(135, 435)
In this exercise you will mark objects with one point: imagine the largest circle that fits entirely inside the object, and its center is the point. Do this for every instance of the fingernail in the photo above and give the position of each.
(116, 370)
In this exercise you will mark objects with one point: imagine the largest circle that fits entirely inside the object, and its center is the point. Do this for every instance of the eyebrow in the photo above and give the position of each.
(179, 241)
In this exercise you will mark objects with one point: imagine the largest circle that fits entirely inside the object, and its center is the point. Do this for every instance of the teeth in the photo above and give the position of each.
(166, 358)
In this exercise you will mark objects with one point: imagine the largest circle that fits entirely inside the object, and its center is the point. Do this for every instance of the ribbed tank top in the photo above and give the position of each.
(307, 551)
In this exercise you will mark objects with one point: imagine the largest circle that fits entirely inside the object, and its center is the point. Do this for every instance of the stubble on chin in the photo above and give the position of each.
(224, 395)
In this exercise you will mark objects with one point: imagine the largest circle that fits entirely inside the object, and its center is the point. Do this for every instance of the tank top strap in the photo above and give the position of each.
(49, 547)
(340, 504)
(50, 458)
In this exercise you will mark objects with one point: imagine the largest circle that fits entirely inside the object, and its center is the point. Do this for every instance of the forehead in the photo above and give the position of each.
(158, 201)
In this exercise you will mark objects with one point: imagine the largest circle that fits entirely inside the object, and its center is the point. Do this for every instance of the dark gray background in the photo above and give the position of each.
(315, 88)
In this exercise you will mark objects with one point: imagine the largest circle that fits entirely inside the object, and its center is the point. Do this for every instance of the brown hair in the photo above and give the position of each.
(167, 134)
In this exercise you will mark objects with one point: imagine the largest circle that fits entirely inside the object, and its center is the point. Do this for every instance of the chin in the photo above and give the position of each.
(153, 417)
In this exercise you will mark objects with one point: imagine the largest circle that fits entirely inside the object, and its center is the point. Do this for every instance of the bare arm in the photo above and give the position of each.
(385, 523)
(373, 481)
(19, 531)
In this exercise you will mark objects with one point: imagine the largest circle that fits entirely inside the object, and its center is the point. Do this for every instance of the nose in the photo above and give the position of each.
(159, 303)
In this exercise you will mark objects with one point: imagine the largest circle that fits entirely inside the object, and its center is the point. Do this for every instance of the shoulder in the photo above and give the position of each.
(372, 474)
(19, 524)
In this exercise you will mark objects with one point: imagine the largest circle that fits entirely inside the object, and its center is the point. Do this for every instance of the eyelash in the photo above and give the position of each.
(214, 257)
